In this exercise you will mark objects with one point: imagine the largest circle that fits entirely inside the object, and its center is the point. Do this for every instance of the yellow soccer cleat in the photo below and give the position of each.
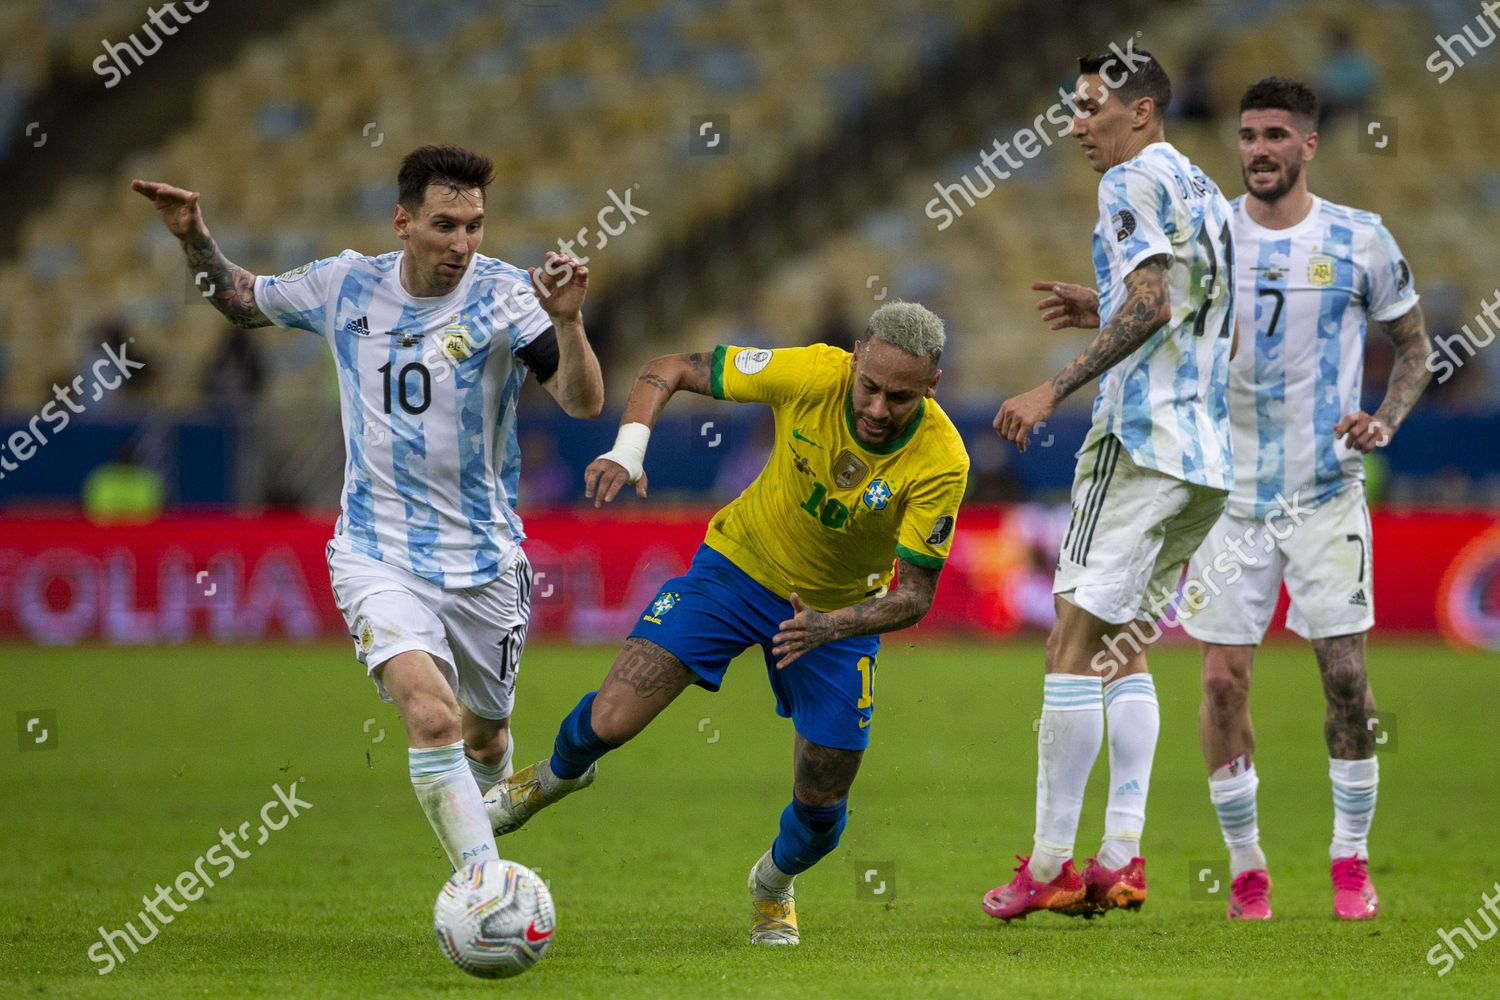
(773, 915)
(527, 792)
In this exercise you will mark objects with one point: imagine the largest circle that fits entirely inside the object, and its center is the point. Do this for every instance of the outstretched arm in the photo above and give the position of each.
(1147, 308)
(1409, 376)
(658, 380)
(901, 608)
(230, 287)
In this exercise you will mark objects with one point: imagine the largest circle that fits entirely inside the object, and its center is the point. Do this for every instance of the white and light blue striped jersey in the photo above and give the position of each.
(1167, 402)
(1305, 296)
(427, 388)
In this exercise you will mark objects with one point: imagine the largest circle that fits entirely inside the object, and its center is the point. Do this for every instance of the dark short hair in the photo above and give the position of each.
(1145, 79)
(1277, 93)
(450, 166)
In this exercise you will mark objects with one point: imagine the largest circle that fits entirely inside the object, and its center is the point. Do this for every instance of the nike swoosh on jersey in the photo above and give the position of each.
(797, 433)
(864, 723)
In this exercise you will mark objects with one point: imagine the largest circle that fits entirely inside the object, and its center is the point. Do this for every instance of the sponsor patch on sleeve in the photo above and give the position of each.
(941, 529)
(751, 361)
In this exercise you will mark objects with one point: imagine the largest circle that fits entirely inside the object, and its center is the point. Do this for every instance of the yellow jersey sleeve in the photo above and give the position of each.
(927, 526)
(777, 377)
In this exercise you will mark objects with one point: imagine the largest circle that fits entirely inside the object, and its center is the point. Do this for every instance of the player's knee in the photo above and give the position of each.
(1346, 685)
(487, 747)
(1226, 688)
(1226, 694)
(431, 720)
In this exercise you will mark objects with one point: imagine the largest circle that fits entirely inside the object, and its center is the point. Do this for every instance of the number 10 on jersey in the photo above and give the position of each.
(411, 402)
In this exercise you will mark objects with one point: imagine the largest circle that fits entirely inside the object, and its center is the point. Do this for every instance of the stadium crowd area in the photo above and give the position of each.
(582, 100)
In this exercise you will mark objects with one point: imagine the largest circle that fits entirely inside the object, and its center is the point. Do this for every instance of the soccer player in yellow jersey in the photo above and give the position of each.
(866, 473)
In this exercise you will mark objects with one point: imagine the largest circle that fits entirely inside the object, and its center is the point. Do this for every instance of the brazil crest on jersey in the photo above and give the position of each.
(427, 389)
(1167, 402)
(828, 515)
(1305, 296)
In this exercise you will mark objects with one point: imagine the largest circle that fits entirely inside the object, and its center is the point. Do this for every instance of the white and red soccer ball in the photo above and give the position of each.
(494, 919)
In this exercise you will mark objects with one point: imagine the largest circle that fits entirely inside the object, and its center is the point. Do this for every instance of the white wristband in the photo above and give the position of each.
(629, 451)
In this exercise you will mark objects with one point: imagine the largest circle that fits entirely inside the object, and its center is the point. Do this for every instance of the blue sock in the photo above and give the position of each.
(807, 834)
(577, 744)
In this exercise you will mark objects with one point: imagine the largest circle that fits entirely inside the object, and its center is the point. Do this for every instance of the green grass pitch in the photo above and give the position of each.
(155, 750)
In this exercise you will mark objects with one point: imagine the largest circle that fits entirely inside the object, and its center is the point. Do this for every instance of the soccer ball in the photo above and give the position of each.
(494, 919)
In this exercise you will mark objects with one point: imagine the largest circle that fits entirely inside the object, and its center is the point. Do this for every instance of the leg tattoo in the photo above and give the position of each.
(648, 670)
(1341, 662)
(823, 775)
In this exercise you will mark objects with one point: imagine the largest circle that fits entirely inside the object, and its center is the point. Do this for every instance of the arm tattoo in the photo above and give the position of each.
(901, 608)
(648, 670)
(823, 775)
(659, 379)
(1130, 327)
(1346, 728)
(1409, 375)
(233, 287)
(651, 378)
(699, 376)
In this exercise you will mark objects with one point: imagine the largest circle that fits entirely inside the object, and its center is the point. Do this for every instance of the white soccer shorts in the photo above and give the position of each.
(476, 635)
(1325, 562)
(1132, 531)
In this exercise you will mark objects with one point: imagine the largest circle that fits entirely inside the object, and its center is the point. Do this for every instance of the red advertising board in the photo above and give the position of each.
(243, 579)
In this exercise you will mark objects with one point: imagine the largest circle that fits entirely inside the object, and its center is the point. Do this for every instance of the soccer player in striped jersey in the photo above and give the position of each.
(432, 343)
(1311, 275)
(1152, 475)
(866, 475)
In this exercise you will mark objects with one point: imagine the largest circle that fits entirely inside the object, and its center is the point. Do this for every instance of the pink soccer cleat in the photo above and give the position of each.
(1109, 888)
(1064, 894)
(1250, 896)
(1353, 893)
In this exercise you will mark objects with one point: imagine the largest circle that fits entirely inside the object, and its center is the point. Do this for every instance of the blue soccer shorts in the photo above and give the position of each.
(715, 612)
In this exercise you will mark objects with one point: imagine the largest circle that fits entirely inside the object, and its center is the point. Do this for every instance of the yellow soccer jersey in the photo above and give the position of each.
(828, 516)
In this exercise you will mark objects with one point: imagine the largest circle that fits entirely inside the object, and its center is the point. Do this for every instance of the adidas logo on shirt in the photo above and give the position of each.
(359, 326)
(1358, 600)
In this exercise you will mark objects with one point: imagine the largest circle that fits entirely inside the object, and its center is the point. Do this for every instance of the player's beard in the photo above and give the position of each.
(1289, 174)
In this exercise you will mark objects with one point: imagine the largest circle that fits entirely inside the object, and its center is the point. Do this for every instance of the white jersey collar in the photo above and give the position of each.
(1307, 222)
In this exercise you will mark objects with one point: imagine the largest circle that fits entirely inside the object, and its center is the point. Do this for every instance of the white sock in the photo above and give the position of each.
(770, 877)
(1234, 801)
(1134, 721)
(1354, 786)
(487, 776)
(445, 787)
(1067, 741)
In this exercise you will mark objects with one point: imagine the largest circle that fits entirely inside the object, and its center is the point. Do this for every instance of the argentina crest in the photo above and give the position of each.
(458, 343)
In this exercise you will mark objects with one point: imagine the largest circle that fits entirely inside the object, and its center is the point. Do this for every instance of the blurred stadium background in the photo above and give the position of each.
(786, 153)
